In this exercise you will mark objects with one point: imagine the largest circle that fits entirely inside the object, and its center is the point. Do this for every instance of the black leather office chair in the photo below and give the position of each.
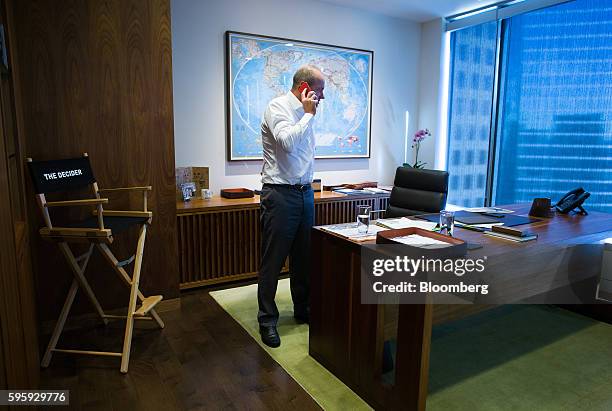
(417, 191)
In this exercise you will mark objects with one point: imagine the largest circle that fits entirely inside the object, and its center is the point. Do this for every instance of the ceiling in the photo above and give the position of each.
(416, 10)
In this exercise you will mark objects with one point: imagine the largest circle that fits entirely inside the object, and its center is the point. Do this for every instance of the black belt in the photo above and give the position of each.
(298, 187)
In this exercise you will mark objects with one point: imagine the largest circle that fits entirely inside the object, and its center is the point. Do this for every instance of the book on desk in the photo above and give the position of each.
(511, 234)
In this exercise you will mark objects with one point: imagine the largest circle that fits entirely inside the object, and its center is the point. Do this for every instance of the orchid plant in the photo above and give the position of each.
(418, 138)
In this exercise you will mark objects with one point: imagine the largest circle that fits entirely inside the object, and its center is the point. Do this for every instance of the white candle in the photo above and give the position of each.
(406, 137)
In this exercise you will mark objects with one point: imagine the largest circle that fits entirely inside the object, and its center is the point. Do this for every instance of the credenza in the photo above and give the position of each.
(219, 239)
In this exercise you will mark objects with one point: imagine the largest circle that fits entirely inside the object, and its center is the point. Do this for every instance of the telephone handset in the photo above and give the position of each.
(572, 200)
(305, 86)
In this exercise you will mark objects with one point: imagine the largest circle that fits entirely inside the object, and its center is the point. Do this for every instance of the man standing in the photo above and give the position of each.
(287, 199)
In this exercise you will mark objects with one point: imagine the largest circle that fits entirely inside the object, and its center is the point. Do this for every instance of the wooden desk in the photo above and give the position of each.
(347, 337)
(218, 239)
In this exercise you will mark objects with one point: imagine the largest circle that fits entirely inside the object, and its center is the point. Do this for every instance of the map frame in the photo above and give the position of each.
(230, 81)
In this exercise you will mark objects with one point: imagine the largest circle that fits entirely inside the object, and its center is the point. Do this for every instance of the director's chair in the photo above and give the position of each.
(99, 231)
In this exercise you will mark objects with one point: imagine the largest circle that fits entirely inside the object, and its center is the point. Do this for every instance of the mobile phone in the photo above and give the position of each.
(304, 86)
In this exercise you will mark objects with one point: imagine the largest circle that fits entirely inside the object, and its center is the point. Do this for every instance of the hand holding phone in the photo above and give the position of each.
(309, 98)
(304, 86)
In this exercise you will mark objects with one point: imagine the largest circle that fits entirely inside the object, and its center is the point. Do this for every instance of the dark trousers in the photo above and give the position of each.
(287, 215)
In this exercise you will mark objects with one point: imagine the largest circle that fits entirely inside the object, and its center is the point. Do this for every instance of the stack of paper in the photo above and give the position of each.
(421, 241)
(351, 191)
(484, 226)
(374, 190)
(489, 210)
(403, 222)
(350, 231)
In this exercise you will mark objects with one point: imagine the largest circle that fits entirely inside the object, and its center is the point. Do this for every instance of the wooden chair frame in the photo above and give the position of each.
(100, 237)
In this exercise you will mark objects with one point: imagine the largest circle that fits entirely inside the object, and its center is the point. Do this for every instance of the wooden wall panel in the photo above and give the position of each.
(17, 370)
(19, 367)
(96, 77)
(11, 317)
(3, 382)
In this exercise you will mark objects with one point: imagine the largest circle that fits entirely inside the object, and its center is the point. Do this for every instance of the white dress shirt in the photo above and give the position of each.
(288, 142)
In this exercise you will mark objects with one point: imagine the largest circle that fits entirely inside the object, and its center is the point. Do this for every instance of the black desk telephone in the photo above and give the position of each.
(573, 200)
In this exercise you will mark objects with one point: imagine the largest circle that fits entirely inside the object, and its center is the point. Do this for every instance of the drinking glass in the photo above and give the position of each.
(363, 218)
(447, 222)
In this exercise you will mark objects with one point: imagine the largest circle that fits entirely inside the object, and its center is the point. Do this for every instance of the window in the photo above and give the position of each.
(553, 117)
(555, 120)
(470, 123)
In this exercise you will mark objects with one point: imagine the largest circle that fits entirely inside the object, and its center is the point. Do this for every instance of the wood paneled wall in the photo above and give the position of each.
(18, 351)
(19, 366)
(96, 77)
(18, 340)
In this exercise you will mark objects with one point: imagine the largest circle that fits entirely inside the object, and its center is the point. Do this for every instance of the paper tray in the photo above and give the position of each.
(457, 246)
(237, 193)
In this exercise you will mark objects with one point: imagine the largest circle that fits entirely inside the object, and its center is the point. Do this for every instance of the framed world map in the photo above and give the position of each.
(261, 68)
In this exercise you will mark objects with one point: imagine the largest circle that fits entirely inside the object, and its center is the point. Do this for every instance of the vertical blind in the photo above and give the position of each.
(554, 110)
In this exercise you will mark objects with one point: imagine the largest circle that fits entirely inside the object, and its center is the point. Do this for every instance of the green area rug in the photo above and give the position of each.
(509, 358)
(521, 358)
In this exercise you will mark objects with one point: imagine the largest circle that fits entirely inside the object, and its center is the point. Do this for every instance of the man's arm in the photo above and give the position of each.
(285, 132)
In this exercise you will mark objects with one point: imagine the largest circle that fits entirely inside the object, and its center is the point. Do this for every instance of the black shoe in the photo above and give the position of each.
(269, 335)
(302, 318)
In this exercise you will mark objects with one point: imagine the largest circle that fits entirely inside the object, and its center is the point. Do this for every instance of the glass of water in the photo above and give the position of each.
(447, 222)
(363, 218)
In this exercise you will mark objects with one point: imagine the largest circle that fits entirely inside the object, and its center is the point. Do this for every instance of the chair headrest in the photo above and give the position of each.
(419, 179)
(60, 175)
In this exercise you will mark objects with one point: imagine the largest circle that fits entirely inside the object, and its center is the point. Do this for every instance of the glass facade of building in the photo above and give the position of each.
(471, 91)
(554, 123)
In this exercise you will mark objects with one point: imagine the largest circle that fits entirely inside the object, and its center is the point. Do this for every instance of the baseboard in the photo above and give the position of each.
(91, 319)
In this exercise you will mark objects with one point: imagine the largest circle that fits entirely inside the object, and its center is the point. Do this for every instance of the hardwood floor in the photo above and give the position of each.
(202, 360)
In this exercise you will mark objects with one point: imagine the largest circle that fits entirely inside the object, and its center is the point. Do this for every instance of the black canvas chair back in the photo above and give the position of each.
(55, 176)
(61, 175)
(417, 191)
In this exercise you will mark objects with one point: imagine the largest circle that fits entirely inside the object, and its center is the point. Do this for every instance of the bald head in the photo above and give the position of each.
(308, 73)
(311, 75)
